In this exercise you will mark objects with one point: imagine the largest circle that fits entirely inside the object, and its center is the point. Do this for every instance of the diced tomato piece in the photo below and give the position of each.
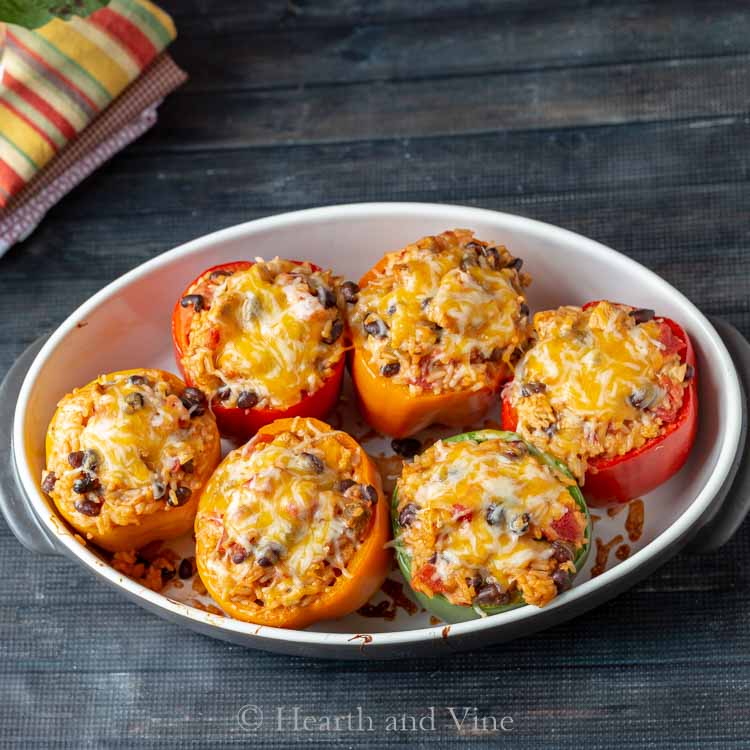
(428, 575)
(672, 403)
(671, 342)
(567, 528)
(461, 513)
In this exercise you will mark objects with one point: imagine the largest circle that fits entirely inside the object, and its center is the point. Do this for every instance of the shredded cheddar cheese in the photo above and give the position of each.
(265, 336)
(296, 512)
(482, 523)
(597, 382)
(445, 313)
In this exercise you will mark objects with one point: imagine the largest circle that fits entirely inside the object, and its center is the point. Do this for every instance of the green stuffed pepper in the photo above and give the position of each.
(485, 522)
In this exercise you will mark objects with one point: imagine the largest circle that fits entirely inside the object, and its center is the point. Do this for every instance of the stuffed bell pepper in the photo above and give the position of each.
(610, 390)
(484, 522)
(292, 527)
(263, 341)
(436, 328)
(127, 457)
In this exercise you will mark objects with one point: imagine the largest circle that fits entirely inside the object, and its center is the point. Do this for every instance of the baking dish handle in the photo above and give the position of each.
(732, 510)
(14, 504)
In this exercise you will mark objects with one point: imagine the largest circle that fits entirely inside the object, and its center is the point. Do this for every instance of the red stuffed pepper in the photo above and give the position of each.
(263, 341)
(611, 391)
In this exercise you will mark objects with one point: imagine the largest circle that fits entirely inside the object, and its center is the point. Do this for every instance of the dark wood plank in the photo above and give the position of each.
(641, 156)
(597, 95)
(194, 17)
(505, 41)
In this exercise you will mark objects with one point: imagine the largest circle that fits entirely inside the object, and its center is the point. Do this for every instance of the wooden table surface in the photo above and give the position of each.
(626, 121)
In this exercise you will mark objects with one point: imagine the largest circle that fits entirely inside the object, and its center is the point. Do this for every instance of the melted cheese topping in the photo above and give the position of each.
(444, 313)
(596, 383)
(273, 330)
(481, 516)
(137, 437)
(295, 515)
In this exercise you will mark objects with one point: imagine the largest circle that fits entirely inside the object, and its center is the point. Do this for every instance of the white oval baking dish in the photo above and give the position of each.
(127, 324)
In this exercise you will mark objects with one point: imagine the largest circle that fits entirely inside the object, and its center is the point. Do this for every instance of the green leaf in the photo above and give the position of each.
(34, 13)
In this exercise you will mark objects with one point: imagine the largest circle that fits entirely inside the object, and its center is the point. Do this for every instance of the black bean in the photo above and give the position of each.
(186, 569)
(337, 328)
(369, 493)
(515, 263)
(490, 595)
(344, 485)
(194, 400)
(270, 556)
(247, 399)
(158, 488)
(188, 467)
(376, 327)
(349, 291)
(224, 393)
(520, 524)
(219, 273)
(527, 389)
(643, 397)
(515, 450)
(239, 554)
(48, 483)
(326, 297)
(642, 315)
(524, 310)
(75, 459)
(689, 372)
(432, 558)
(495, 514)
(317, 465)
(133, 402)
(391, 369)
(181, 496)
(551, 430)
(166, 575)
(90, 460)
(408, 514)
(475, 582)
(138, 380)
(87, 506)
(493, 257)
(85, 483)
(562, 580)
(406, 447)
(425, 302)
(196, 300)
(561, 551)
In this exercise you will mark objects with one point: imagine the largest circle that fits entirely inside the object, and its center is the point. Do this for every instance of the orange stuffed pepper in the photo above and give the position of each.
(127, 457)
(292, 527)
(436, 328)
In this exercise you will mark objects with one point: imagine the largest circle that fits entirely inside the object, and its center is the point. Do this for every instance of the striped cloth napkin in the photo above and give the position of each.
(73, 94)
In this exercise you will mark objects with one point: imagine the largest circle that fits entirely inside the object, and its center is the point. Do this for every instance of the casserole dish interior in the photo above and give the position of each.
(128, 325)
